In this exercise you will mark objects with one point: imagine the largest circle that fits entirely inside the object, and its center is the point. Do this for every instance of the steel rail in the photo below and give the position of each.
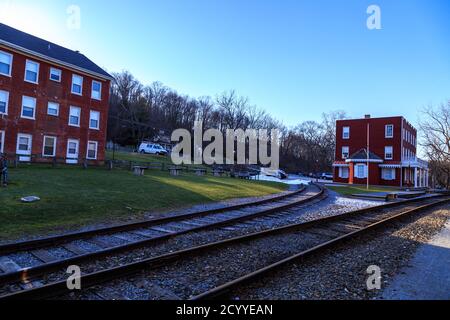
(28, 273)
(226, 288)
(42, 242)
(96, 278)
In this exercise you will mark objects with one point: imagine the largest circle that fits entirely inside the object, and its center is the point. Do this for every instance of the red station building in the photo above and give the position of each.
(53, 101)
(392, 157)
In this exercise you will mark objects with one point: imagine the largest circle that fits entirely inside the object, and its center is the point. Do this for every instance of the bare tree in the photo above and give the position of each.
(435, 127)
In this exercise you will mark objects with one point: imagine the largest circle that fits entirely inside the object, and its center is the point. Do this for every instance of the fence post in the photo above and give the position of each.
(85, 164)
(54, 163)
(110, 165)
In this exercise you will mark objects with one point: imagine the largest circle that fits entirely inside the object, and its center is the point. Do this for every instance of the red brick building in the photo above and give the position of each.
(392, 157)
(53, 101)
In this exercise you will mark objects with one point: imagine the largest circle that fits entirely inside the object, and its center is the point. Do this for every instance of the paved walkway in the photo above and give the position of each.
(428, 277)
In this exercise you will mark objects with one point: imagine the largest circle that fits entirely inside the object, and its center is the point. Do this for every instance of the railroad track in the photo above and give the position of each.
(311, 237)
(25, 261)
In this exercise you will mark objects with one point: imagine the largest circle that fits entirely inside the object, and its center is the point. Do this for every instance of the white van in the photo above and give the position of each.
(152, 148)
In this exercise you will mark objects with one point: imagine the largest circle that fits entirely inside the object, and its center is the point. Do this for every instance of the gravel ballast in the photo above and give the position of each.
(341, 272)
(200, 273)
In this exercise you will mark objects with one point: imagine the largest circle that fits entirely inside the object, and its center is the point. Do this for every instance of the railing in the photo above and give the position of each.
(15, 160)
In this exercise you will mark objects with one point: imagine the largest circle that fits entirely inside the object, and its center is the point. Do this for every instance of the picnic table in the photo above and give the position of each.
(139, 171)
(243, 175)
(175, 171)
(200, 171)
(218, 172)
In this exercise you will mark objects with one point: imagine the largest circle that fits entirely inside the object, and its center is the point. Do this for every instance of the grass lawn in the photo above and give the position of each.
(348, 191)
(72, 197)
(128, 156)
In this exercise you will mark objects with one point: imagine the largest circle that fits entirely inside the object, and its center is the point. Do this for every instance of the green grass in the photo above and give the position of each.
(348, 191)
(128, 156)
(72, 197)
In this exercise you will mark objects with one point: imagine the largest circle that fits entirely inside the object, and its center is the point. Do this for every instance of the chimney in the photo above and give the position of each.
(367, 116)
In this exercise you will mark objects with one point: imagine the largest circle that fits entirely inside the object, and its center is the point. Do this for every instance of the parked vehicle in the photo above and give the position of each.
(326, 176)
(151, 148)
(280, 174)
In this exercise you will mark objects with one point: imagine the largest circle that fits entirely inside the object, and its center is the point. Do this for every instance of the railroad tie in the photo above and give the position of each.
(44, 256)
(75, 249)
(143, 234)
(162, 230)
(7, 265)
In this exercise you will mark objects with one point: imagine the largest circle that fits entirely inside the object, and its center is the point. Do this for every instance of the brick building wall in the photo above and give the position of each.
(51, 91)
(403, 163)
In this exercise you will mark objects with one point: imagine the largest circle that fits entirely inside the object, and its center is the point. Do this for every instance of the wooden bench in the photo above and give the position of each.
(200, 171)
(218, 173)
(175, 171)
(139, 171)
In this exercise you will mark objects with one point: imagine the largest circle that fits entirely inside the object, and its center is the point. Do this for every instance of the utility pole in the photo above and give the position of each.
(368, 152)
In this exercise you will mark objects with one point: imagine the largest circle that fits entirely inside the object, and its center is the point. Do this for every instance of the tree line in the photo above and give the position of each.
(139, 112)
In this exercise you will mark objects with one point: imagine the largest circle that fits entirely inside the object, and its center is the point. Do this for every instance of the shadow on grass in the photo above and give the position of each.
(72, 197)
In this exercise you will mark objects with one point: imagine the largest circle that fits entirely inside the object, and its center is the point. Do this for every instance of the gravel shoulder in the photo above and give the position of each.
(341, 272)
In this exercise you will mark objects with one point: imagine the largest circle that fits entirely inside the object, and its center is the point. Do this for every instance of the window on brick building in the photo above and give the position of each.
(96, 90)
(32, 71)
(344, 172)
(5, 63)
(55, 74)
(389, 131)
(74, 116)
(77, 84)
(49, 147)
(2, 140)
(361, 171)
(92, 150)
(346, 133)
(4, 100)
(345, 152)
(388, 173)
(388, 153)
(94, 120)
(28, 107)
(53, 109)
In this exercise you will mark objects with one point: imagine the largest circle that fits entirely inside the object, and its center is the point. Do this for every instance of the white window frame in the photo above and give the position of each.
(58, 71)
(73, 160)
(99, 93)
(34, 108)
(392, 174)
(2, 141)
(98, 119)
(79, 116)
(386, 130)
(386, 152)
(341, 172)
(345, 150)
(344, 131)
(96, 150)
(37, 71)
(11, 64)
(74, 76)
(24, 155)
(57, 108)
(7, 102)
(364, 171)
(54, 147)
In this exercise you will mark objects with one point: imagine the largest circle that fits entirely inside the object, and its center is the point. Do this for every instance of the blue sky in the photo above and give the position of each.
(294, 58)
